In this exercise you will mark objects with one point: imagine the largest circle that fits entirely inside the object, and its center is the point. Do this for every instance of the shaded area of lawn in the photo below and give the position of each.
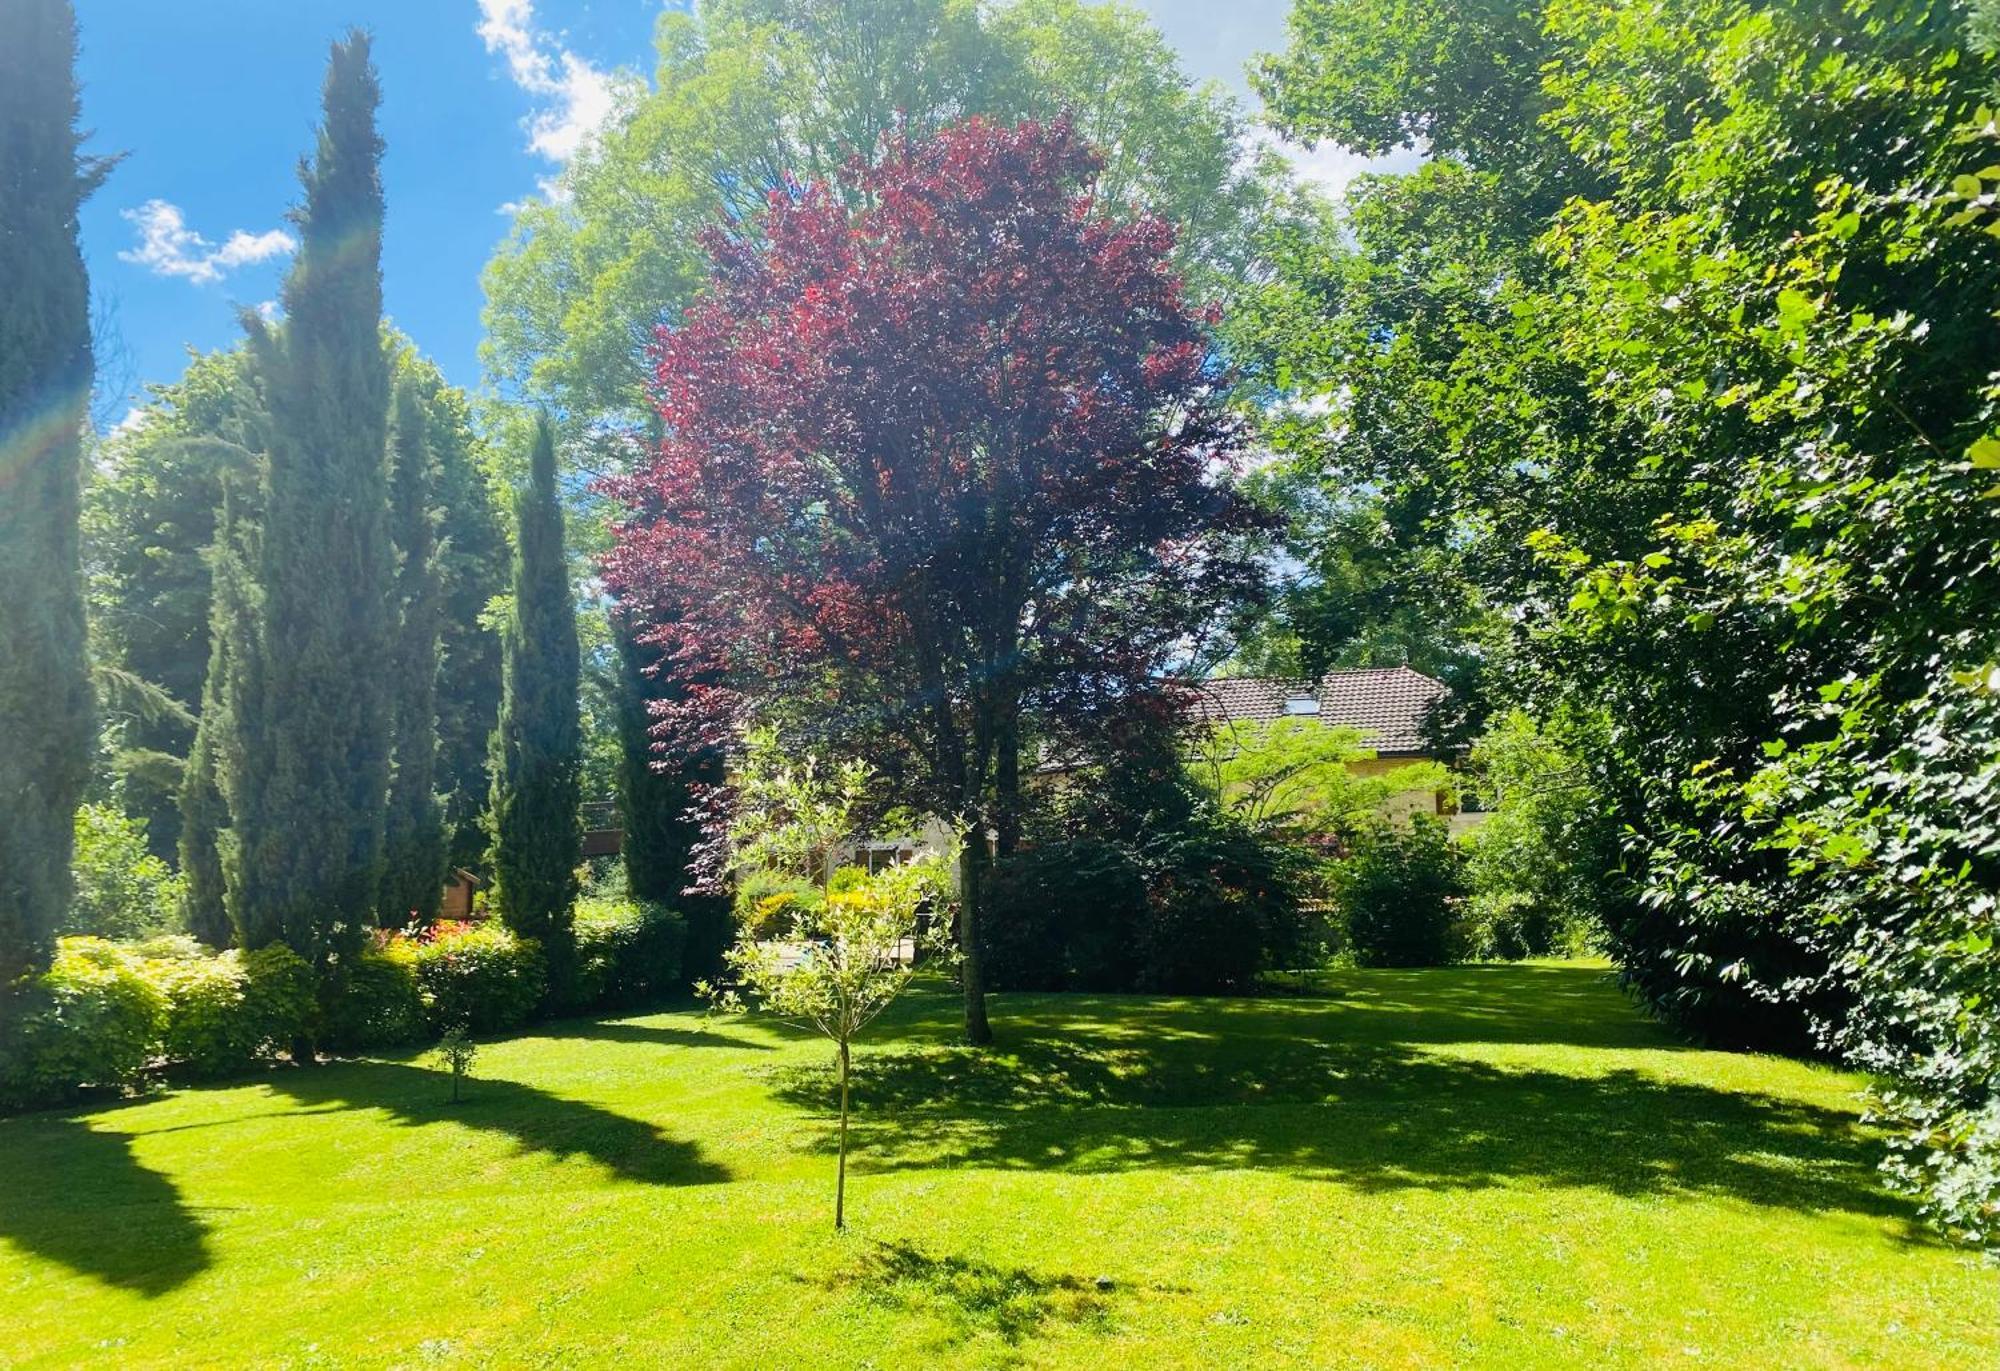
(76, 1194)
(534, 1119)
(1352, 1090)
(650, 1034)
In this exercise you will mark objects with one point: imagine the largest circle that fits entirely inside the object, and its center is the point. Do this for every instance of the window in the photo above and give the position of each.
(1302, 704)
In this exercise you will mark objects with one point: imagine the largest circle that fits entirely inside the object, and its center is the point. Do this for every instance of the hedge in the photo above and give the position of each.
(106, 1013)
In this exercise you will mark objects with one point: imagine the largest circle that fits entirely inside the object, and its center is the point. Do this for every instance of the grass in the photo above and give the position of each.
(1501, 1166)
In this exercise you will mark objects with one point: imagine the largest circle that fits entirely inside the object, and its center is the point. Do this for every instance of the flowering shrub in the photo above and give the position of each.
(478, 977)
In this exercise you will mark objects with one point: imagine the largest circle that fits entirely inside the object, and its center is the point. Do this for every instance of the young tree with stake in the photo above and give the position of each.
(846, 961)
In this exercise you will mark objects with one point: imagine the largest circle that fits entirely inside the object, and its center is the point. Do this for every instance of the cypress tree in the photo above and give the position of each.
(413, 878)
(306, 772)
(653, 805)
(45, 377)
(537, 836)
(472, 559)
(203, 813)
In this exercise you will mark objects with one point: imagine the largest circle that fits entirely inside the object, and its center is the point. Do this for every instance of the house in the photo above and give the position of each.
(1389, 706)
(460, 888)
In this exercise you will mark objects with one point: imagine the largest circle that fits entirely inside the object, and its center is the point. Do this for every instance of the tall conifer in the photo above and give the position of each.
(413, 876)
(45, 377)
(655, 797)
(306, 774)
(537, 836)
(203, 813)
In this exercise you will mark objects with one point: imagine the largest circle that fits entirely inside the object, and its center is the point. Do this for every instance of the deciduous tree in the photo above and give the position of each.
(943, 460)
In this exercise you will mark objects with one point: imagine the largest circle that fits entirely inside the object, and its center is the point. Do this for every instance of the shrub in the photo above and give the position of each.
(1538, 868)
(122, 889)
(628, 952)
(768, 903)
(846, 880)
(380, 1004)
(481, 978)
(1201, 908)
(1399, 892)
(203, 996)
(279, 1002)
(224, 1013)
(92, 1019)
(1064, 916)
(1225, 905)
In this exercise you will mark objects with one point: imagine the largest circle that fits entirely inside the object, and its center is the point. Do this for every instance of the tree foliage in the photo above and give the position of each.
(1692, 370)
(122, 889)
(45, 379)
(1292, 776)
(660, 798)
(306, 769)
(149, 520)
(413, 870)
(150, 516)
(751, 96)
(850, 957)
(1545, 860)
(934, 468)
(537, 834)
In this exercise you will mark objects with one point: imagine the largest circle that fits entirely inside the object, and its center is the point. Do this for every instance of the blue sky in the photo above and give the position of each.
(212, 103)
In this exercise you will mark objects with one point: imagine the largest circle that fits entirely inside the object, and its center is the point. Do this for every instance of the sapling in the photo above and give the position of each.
(853, 955)
(457, 1051)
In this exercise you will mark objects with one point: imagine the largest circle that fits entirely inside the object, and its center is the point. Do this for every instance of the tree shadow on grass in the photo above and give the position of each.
(1264, 1092)
(536, 1120)
(662, 1035)
(1554, 1005)
(76, 1195)
(972, 1297)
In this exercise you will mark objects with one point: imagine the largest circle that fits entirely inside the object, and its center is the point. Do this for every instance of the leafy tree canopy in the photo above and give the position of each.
(754, 95)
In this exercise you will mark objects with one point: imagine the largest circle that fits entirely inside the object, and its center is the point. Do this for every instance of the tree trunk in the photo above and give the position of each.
(840, 1173)
(1007, 781)
(974, 862)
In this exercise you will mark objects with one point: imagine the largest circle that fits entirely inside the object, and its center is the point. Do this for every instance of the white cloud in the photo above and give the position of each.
(168, 247)
(1331, 167)
(135, 419)
(267, 310)
(576, 97)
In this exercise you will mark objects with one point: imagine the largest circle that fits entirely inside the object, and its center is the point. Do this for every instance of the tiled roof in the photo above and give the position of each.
(1388, 704)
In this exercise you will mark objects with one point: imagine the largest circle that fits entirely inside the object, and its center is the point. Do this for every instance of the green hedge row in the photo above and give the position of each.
(106, 1013)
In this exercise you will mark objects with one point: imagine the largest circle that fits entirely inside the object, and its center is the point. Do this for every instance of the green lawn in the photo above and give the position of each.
(1490, 1165)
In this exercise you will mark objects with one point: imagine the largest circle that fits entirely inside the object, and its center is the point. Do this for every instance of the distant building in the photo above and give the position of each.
(1389, 706)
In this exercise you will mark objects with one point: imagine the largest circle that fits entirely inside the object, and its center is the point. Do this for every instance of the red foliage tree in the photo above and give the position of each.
(944, 466)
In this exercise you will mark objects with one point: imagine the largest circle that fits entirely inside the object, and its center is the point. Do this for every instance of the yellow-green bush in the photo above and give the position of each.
(92, 1019)
(226, 1012)
(380, 1004)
